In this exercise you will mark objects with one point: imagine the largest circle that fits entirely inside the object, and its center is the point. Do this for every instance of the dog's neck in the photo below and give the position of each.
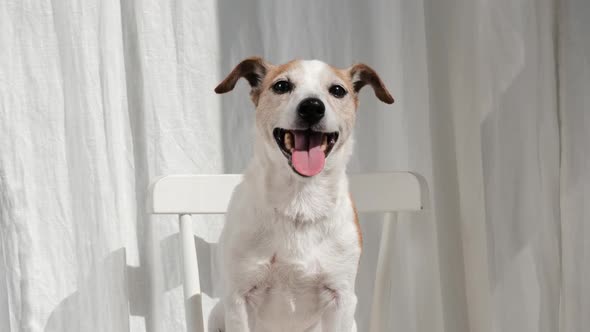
(276, 186)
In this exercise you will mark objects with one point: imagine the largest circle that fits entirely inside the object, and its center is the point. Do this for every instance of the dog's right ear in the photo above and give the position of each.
(252, 69)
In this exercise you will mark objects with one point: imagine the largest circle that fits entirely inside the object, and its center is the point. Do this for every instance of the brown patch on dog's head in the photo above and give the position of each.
(361, 75)
(280, 69)
(273, 72)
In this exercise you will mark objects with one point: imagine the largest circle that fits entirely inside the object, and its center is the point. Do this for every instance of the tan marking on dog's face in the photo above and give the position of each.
(282, 69)
(273, 72)
(345, 76)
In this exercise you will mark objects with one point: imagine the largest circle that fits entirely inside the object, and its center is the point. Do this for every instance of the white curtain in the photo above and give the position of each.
(492, 107)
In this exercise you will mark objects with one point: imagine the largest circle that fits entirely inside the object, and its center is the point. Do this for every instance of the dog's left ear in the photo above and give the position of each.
(362, 75)
(252, 69)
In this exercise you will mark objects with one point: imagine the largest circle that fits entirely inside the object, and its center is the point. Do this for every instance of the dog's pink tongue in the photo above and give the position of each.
(308, 159)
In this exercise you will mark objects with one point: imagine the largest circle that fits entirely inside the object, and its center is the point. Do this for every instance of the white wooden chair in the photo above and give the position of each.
(185, 195)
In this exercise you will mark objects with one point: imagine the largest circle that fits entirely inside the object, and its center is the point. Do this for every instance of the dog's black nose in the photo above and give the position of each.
(311, 110)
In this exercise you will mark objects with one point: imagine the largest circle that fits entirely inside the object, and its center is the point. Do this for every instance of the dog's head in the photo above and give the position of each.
(305, 110)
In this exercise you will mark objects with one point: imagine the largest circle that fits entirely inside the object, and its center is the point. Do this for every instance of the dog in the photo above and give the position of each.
(291, 245)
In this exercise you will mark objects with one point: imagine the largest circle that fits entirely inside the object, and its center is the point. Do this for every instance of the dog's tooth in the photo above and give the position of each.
(288, 140)
(324, 145)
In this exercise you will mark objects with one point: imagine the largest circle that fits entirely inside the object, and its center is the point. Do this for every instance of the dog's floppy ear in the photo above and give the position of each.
(252, 69)
(361, 75)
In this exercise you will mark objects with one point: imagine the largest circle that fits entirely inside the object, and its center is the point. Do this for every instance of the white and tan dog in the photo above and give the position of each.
(291, 243)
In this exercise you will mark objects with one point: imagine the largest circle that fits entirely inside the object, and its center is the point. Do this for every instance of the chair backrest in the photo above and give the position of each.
(185, 195)
(210, 194)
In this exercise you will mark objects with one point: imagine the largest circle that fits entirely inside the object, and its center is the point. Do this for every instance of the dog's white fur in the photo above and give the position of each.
(290, 247)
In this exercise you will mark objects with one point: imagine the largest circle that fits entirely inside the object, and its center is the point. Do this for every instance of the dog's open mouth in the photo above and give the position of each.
(306, 150)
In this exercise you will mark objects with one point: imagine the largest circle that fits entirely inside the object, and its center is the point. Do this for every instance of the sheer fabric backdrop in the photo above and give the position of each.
(492, 107)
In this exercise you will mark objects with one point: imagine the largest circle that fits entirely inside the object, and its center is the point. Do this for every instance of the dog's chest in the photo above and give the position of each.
(295, 279)
(293, 292)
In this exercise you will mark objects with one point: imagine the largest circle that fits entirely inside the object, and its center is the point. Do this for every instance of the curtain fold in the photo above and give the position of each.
(99, 97)
(574, 115)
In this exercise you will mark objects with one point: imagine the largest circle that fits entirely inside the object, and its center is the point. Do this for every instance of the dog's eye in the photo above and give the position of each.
(337, 91)
(281, 87)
